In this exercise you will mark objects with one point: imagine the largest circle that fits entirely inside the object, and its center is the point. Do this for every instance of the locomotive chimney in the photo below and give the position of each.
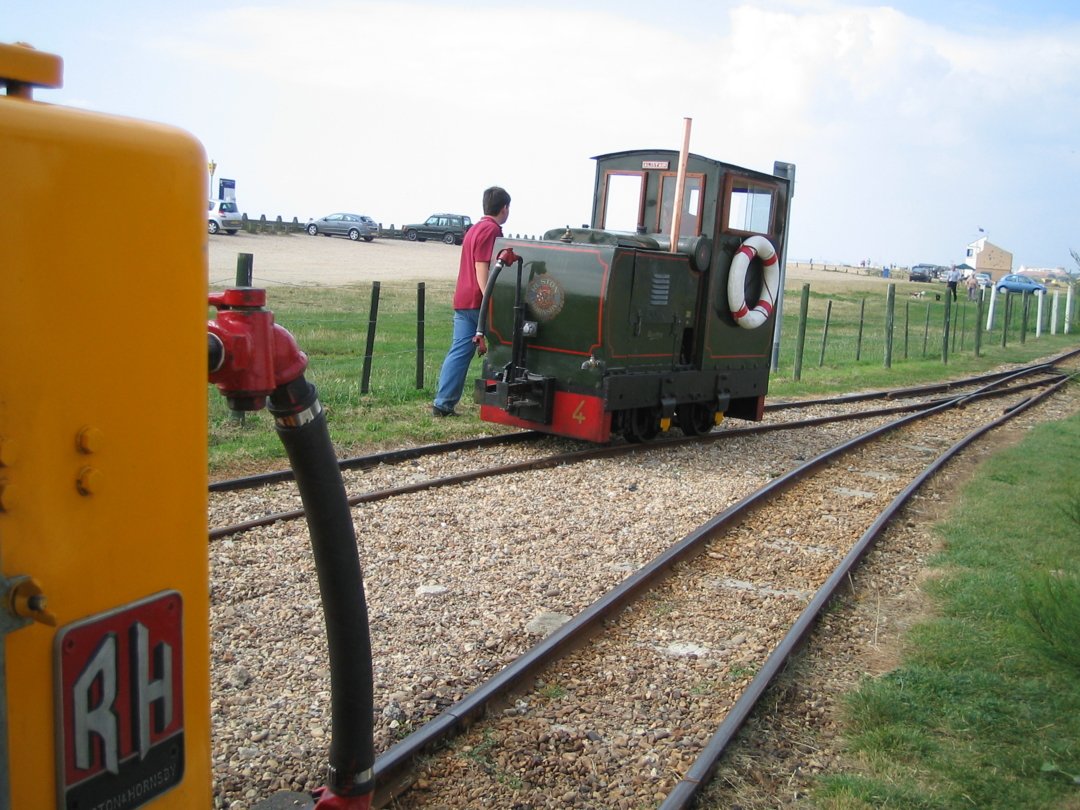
(680, 187)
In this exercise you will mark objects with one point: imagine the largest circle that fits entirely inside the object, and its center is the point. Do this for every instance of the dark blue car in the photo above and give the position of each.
(1015, 282)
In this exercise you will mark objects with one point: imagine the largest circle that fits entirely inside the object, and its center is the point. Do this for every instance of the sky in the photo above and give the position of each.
(915, 127)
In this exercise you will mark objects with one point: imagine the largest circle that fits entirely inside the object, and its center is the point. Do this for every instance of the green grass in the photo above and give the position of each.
(984, 711)
(330, 324)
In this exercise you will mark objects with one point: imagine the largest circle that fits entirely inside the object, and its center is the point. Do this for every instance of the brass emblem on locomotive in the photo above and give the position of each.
(545, 298)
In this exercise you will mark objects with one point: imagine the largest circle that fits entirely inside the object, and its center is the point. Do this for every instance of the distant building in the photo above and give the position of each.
(987, 257)
(1052, 276)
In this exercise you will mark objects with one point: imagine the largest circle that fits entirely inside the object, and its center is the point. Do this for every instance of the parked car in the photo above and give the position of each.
(921, 272)
(984, 279)
(354, 226)
(224, 216)
(450, 228)
(1014, 282)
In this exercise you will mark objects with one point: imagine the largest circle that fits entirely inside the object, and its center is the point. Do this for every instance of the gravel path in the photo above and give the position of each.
(454, 579)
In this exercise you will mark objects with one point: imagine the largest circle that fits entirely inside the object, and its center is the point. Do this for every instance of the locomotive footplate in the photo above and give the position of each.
(531, 397)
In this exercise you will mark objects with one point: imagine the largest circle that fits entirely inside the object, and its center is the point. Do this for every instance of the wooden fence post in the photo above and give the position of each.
(800, 341)
(244, 275)
(945, 326)
(978, 326)
(890, 322)
(926, 330)
(1005, 320)
(244, 265)
(365, 379)
(1025, 307)
(956, 314)
(825, 333)
(858, 340)
(420, 289)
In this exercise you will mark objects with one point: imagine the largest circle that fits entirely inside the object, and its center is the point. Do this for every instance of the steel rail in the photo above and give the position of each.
(407, 454)
(898, 393)
(615, 451)
(393, 766)
(375, 459)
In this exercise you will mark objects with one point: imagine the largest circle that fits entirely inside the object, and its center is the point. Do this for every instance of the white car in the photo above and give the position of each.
(224, 216)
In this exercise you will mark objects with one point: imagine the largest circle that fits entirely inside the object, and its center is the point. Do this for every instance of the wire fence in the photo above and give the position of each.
(399, 331)
(851, 328)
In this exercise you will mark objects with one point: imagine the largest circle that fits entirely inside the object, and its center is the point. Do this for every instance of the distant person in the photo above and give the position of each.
(476, 250)
(972, 287)
(951, 280)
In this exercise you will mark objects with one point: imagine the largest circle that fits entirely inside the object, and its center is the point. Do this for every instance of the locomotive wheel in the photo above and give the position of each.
(696, 419)
(642, 425)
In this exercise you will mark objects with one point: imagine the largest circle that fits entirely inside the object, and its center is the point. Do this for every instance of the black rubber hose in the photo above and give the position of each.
(301, 424)
(481, 323)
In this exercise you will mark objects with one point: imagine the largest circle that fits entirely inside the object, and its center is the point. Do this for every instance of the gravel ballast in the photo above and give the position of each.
(455, 579)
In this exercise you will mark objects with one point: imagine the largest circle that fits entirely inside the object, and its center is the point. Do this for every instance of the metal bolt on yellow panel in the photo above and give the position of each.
(89, 440)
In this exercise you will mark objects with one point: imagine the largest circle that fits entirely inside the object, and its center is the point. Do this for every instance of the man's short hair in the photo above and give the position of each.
(495, 199)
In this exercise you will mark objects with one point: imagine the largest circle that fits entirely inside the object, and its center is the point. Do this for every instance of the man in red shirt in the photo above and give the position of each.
(476, 252)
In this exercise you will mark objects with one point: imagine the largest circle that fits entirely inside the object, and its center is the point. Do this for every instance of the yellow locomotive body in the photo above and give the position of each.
(102, 455)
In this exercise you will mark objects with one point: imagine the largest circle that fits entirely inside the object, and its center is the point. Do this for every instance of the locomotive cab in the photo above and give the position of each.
(614, 329)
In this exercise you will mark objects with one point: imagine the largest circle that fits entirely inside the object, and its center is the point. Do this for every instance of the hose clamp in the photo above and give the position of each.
(297, 420)
(348, 784)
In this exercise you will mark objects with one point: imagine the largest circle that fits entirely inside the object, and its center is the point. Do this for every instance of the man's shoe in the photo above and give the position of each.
(439, 412)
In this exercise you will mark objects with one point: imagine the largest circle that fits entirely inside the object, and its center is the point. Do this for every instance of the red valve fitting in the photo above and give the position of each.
(257, 355)
(507, 256)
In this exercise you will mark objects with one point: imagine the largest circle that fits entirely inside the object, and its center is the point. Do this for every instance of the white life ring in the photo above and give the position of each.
(744, 316)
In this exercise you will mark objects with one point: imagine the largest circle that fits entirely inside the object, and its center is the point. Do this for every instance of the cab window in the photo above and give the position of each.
(693, 199)
(623, 193)
(750, 207)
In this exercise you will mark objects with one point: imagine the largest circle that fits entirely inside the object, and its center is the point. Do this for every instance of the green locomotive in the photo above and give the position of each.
(607, 330)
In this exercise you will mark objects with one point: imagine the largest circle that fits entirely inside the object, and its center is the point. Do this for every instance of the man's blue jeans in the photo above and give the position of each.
(455, 367)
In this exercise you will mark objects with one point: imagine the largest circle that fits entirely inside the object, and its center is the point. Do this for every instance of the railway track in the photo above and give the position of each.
(561, 730)
(511, 439)
(553, 452)
(454, 600)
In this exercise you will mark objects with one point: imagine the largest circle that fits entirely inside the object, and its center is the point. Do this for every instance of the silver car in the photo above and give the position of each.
(224, 216)
(354, 226)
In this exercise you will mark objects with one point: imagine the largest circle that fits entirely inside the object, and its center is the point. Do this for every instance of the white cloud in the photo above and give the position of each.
(907, 134)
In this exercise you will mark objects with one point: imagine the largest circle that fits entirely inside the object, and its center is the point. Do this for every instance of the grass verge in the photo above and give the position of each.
(984, 711)
(331, 326)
